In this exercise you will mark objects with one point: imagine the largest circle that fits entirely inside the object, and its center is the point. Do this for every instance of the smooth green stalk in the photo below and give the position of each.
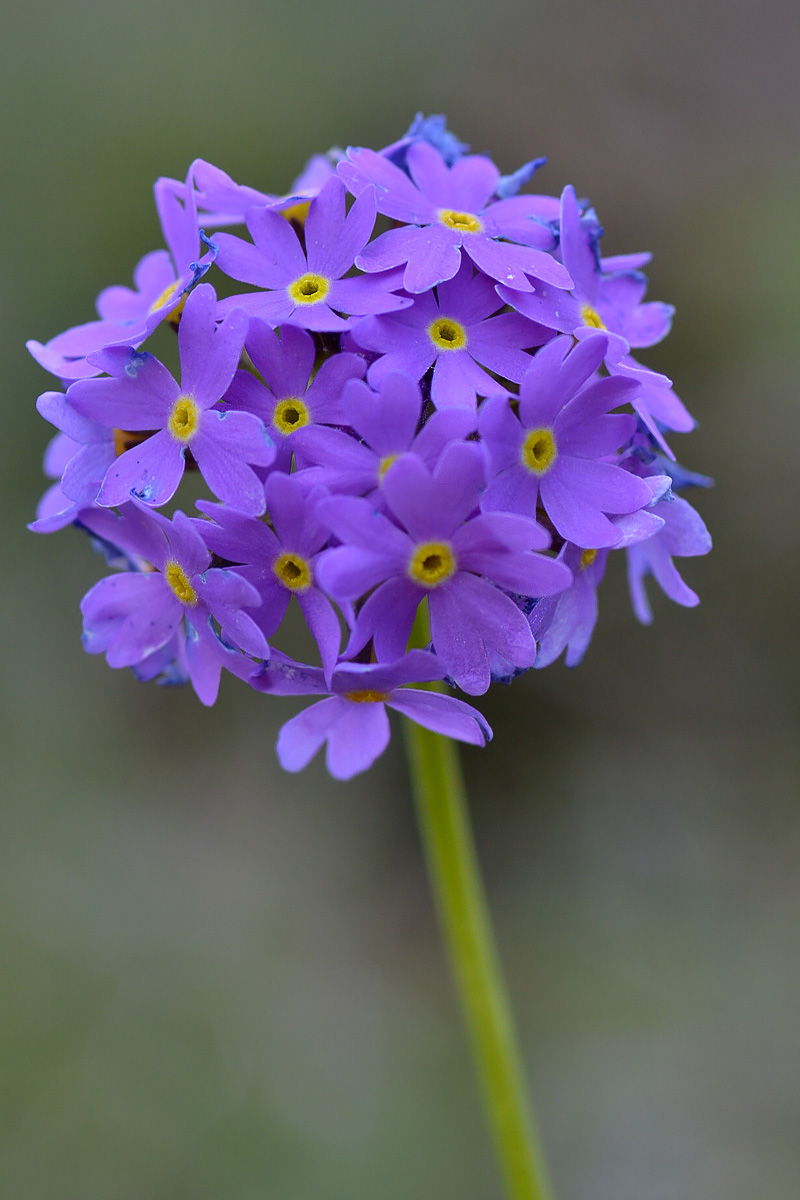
(463, 913)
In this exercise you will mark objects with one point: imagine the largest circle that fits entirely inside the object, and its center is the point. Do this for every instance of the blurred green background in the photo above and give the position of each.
(217, 980)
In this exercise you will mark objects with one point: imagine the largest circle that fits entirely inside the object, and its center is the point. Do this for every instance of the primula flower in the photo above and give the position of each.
(457, 334)
(556, 448)
(353, 719)
(305, 286)
(292, 397)
(446, 210)
(131, 615)
(443, 549)
(142, 395)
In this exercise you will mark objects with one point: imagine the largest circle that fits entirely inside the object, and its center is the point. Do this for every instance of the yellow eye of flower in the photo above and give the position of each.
(539, 451)
(309, 289)
(587, 558)
(432, 563)
(293, 572)
(447, 334)
(184, 419)
(385, 463)
(177, 579)
(463, 221)
(290, 414)
(366, 697)
(591, 317)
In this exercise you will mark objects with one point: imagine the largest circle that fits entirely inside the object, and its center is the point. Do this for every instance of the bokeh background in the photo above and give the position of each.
(217, 980)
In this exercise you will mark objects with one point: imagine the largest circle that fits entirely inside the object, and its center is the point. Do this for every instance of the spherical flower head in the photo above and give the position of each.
(442, 421)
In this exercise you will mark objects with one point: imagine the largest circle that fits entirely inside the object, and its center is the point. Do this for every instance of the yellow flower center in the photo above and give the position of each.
(385, 464)
(591, 317)
(293, 572)
(184, 419)
(177, 579)
(432, 563)
(464, 222)
(587, 558)
(366, 697)
(309, 289)
(447, 334)
(297, 212)
(175, 315)
(539, 451)
(165, 297)
(290, 414)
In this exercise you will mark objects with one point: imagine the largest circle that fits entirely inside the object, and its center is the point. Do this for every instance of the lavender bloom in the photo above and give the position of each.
(684, 534)
(134, 614)
(291, 397)
(387, 425)
(128, 316)
(279, 562)
(142, 395)
(556, 446)
(447, 210)
(353, 719)
(456, 333)
(304, 287)
(440, 549)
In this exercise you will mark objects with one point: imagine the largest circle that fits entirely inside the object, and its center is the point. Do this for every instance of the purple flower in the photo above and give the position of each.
(387, 425)
(142, 395)
(455, 333)
(291, 397)
(279, 562)
(555, 448)
(304, 287)
(684, 534)
(447, 210)
(353, 719)
(128, 316)
(440, 550)
(134, 614)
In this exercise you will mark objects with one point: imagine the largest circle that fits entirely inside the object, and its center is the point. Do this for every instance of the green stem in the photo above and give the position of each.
(461, 902)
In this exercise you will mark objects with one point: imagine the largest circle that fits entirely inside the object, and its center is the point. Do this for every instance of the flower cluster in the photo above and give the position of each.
(410, 390)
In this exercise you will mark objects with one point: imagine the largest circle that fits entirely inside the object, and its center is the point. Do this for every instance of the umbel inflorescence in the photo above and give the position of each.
(418, 390)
